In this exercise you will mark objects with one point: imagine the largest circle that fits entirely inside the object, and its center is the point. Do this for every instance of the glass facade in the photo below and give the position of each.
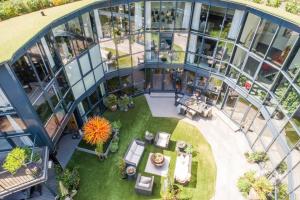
(246, 65)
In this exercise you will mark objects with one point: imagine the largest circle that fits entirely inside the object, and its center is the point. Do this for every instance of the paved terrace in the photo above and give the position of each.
(227, 145)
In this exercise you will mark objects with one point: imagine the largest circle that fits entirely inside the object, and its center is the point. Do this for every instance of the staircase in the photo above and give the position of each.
(162, 94)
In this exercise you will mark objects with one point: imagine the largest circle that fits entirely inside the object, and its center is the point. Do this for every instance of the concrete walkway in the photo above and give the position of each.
(228, 147)
(66, 148)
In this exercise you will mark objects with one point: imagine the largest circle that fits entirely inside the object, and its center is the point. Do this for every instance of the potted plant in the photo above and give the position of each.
(14, 160)
(116, 125)
(111, 102)
(114, 146)
(131, 103)
(256, 157)
(123, 103)
(97, 130)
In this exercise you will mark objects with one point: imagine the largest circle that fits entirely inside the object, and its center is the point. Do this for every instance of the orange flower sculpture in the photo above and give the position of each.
(96, 130)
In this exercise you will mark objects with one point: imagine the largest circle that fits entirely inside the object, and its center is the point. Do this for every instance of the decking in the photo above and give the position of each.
(21, 180)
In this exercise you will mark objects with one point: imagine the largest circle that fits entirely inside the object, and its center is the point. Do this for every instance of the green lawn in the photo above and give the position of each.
(101, 180)
(124, 62)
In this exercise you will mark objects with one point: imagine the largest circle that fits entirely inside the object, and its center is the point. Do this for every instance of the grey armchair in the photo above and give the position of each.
(144, 185)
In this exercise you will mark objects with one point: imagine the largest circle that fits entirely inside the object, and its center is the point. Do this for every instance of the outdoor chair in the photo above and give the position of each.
(144, 185)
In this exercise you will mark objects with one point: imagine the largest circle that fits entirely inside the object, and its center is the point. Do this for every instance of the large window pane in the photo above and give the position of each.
(249, 29)
(11, 123)
(27, 77)
(63, 43)
(239, 57)
(43, 109)
(215, 21)
(199, 17)
(282, 46)
(232, 24)
(266, 75)
(264, 36)
(73, 72)
(251, 66)
(76, 35)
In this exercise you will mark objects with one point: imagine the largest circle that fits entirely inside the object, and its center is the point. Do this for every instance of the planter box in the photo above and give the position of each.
(107, 146)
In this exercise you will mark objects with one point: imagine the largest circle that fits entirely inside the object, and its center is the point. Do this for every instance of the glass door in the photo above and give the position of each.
(157, 78)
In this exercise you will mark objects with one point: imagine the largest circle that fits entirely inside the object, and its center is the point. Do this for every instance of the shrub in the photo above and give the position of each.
(116, 125)
(110, 100)
(257, 1)
(281, 168)
(244, 186)
(122, 167)
(123, 103)
(257, 157)
(70, 178)
(292, 7)
(114, 147)
(14, 160)
(263, 187)
(274, 3)
(96, 130)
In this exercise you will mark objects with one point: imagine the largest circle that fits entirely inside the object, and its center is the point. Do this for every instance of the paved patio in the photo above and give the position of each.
(66, 148)
(227, 145)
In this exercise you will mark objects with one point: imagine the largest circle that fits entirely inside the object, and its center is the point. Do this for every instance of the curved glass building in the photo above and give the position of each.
(245, 60)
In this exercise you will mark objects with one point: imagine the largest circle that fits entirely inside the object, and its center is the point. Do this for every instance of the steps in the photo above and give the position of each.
(164, 95)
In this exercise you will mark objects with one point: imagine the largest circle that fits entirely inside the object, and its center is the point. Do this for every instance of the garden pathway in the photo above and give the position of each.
(227, 146)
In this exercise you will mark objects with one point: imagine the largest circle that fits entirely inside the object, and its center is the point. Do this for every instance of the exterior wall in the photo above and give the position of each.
(246, 62)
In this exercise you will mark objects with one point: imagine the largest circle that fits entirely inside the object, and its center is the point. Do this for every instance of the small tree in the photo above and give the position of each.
(96, 130)
(15, 160)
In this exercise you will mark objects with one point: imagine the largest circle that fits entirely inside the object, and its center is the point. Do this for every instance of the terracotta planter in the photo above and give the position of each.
(114, 108)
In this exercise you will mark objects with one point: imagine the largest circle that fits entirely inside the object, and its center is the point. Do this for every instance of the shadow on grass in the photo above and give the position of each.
(193, 182)
(172, 145)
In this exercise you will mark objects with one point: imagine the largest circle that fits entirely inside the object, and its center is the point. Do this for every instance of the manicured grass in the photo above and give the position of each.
(101, 180)
(16, 31)
(124, 62)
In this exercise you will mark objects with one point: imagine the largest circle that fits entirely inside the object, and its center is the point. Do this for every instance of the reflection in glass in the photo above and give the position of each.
(291, 101)
(63, 43)
(239, 57)
(251, 66)
(11, 123)
(26, 75)
(282, 45)
(199, 17)
(215, 21)
(249, 30)
(42, 108)
(258, 92)
(264, 36)
(280, 87)
(295, 66)
(266, 75)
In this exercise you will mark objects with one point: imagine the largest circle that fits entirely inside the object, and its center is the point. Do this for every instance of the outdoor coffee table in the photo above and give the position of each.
(158, 159)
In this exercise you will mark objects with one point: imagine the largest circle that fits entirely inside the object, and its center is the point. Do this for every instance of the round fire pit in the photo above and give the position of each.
(157, 159)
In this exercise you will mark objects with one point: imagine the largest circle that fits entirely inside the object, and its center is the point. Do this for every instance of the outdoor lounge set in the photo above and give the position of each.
(193, 106)
(157, 164)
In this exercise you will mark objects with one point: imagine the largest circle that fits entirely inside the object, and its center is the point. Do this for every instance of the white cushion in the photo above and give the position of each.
(128, 156)
(133, 147)
(163, 136)
(139, 150)
(162, 143)
(145, 185)
(145, 179)
(135, 159)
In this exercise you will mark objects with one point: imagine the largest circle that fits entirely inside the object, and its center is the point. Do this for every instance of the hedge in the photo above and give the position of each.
(13, 8)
